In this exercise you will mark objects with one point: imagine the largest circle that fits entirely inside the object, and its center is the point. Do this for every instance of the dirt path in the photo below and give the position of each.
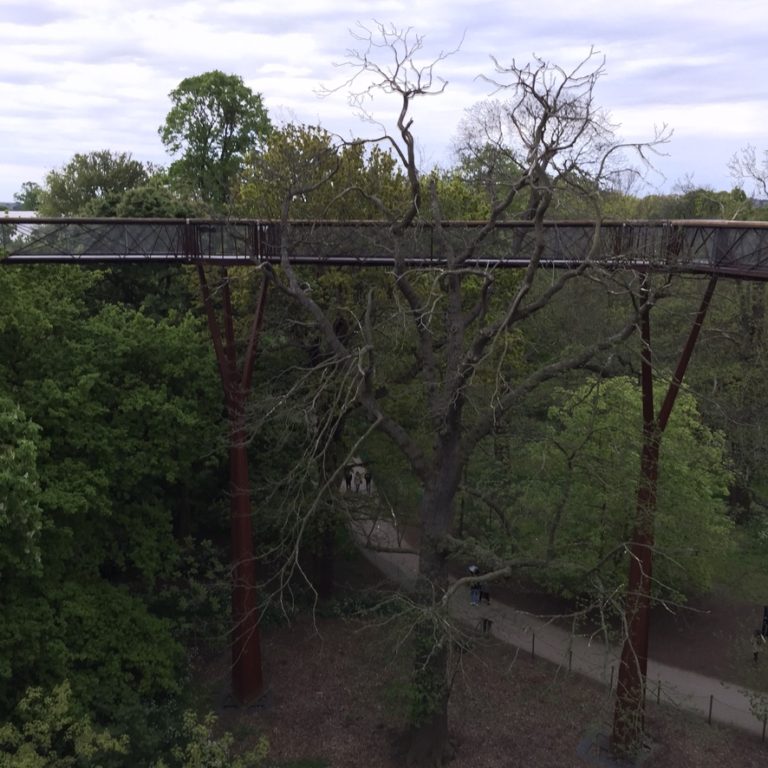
(593, 658)
(590, 656)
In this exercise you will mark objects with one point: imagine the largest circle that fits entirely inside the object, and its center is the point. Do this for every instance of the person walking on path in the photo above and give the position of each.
(478, 594)
(475, 588)
(758, 641)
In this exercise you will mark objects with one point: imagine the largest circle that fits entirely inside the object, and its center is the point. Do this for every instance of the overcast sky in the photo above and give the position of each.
(83, 75)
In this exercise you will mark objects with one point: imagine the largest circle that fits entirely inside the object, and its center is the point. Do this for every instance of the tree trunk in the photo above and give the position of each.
(428, 743)
(427, 738)
(629, 714)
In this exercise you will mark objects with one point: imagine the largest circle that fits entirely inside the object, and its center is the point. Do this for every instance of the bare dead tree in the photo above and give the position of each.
(746, 166)
(457, 315)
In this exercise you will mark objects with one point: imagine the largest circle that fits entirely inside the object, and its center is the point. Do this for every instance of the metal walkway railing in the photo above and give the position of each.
(737, 249)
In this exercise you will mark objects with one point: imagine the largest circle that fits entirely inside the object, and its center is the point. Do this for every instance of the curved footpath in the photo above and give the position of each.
(725, 703)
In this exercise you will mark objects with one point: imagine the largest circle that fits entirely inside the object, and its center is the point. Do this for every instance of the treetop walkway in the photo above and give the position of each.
(737, 249)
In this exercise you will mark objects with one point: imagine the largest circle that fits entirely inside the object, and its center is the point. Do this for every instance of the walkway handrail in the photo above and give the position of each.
(736, 249)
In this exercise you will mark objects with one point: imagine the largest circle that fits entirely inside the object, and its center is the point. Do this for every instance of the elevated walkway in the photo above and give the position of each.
(736, 249)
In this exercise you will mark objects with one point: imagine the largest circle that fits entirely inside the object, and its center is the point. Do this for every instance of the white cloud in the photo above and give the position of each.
(79, 75)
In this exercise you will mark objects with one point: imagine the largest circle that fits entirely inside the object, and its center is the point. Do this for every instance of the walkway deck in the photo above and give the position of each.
(737, 249)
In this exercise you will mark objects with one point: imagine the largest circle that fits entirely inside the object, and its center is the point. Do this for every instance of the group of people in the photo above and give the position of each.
(357, 478)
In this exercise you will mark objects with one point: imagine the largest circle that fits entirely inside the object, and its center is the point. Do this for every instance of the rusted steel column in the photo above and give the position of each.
(629, 714)
(247, 676)
(685, 357)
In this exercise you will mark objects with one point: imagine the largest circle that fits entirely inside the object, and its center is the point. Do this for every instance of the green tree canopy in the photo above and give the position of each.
(306, 168)
(215, 121)
(580, 488)
(29, 196)
(108, 440)
(91, 184)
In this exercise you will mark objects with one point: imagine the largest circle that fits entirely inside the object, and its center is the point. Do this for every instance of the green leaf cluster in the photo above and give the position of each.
(91, 184)
(20, 514)
(303, 171)
(199, 746)
(52, 732)
(578, 490)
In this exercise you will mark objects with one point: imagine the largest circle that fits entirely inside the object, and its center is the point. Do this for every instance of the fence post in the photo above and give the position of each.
(570, 659)
(610, 685)
(711, 699)
(658, 691)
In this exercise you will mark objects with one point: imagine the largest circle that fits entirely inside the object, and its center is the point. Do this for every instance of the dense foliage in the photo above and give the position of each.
(572, 493)
(110, 440)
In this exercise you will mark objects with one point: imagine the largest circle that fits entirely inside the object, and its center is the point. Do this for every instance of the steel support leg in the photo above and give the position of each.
(629, 714)
(247, 676)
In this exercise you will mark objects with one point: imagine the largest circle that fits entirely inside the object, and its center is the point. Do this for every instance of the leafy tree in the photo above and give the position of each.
(730, 376)
(29, 197)
(157, 199)
(320, 177)
(91, 184)
(215, 121)
(697, 203)
(118, 388)
(108, 184)
(460, 197)
(581, 483)
(125, 452)
(200, 747)
(20, 519)
(51, 732)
